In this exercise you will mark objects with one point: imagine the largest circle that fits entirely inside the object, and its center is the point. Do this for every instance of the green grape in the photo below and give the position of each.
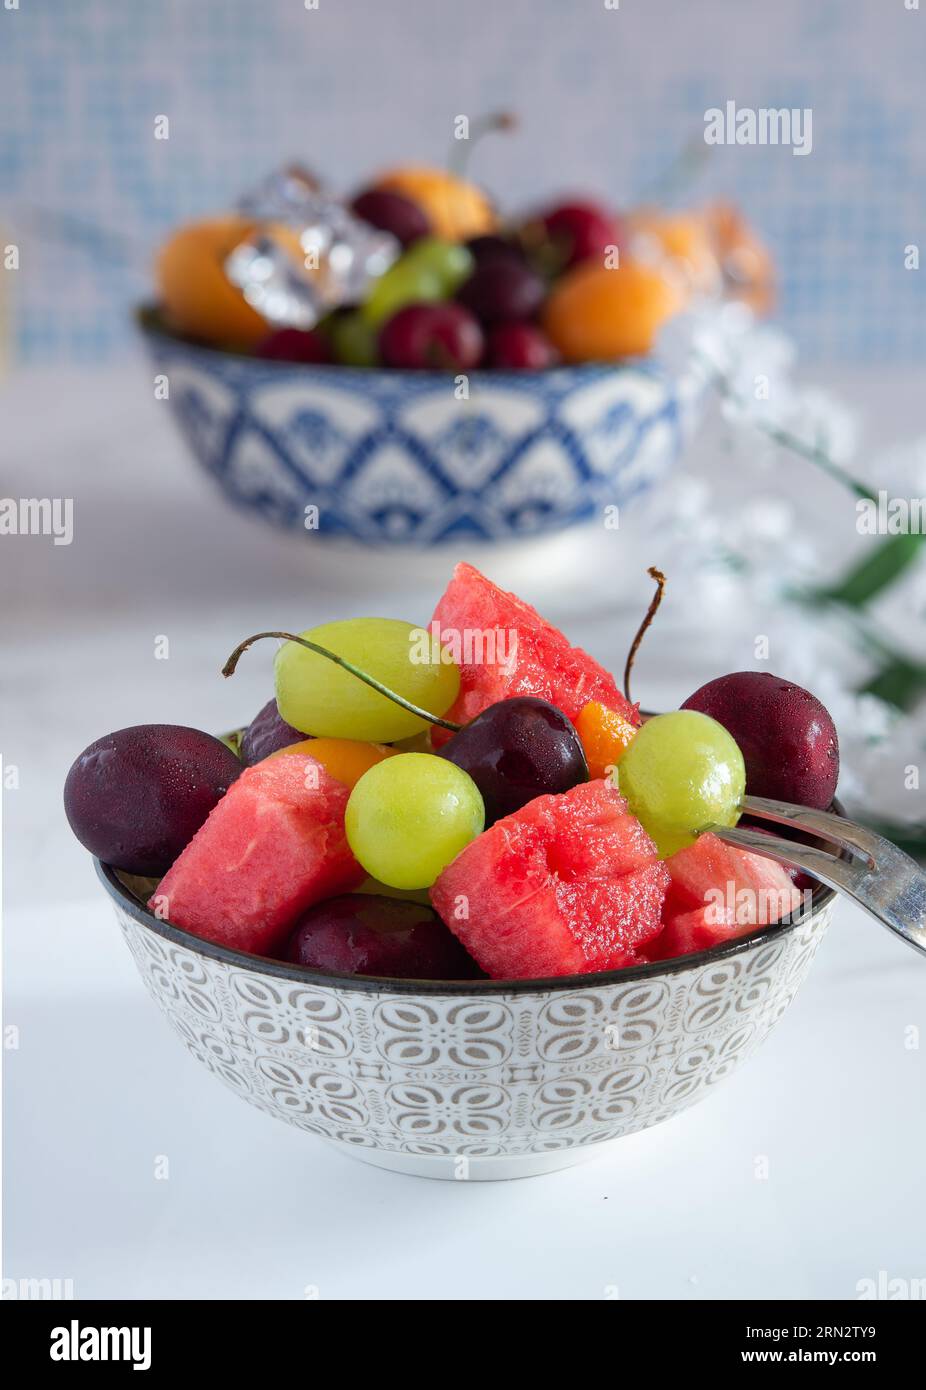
(354, 341)
(408, 816)
(682, 772)
(385, 890)
(320, 698)
(449, 261)
(403, 283)
(418, 743)
(232, 741)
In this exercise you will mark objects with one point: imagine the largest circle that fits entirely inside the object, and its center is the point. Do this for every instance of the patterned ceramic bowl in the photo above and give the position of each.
(478, 1079)
(392, 456)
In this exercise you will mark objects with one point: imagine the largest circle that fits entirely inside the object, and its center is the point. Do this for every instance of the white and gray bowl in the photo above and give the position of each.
(475, 1079)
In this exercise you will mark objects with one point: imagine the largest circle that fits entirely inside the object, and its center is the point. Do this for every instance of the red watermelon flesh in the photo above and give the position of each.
(569, 884)
(717, 893)
(759, 890)
(262, 857)
(693, 931)
(478, 620)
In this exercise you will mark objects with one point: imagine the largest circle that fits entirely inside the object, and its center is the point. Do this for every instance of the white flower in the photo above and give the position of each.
(743, 553)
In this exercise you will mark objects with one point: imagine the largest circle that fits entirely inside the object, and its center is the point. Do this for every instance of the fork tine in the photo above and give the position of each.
(892, 890)
(834, 872)
(839, 831)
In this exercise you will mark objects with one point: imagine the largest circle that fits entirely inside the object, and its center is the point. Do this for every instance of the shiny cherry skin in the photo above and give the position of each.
(581, 231)
(439, 337)
(136, 797)
(517, 750)
(502, 289)
(520, 347)
(787, 737)
(267, 733)
(392, 212)
(371, 934)
(492, 248)
(294, 345)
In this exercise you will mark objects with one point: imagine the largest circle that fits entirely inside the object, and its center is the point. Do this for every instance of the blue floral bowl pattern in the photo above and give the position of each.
(421, 458)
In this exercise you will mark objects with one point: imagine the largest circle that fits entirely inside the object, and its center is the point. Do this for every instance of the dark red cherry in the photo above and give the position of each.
(267, 733)
(787, 738)
(492, 248)
(516, 750)
(294, 345)
(440, 337)
(137, 797)
(392, 212)
(502, 288)
(370, 934)
(519, 347)
(581, 231)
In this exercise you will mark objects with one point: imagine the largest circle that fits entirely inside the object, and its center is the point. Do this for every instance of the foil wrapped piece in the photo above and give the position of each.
(281, 196)
(308, 254)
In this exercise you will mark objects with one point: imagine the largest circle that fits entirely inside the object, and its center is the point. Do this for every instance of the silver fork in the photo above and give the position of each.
(882, 879)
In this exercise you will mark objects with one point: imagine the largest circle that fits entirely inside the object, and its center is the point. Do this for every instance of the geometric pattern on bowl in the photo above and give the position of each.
(414, 1076)
(400, 457)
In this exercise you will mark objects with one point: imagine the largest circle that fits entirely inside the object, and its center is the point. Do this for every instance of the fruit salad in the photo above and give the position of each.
(448, 282)
(467, 799)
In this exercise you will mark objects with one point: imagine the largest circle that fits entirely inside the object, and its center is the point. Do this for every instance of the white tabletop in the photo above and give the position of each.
(98, 1088)
(99, 1091)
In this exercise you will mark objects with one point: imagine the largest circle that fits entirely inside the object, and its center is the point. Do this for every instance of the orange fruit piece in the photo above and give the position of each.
(347, 759)
(681, 243)
(604, 735)
(599, 315)
(457, 209)
(745, 262)
(195, 292)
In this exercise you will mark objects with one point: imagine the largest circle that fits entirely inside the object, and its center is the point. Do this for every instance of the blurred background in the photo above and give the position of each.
(607, 99)
(610, 103)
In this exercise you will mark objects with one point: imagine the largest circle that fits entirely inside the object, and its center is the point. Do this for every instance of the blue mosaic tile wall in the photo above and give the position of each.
(607, 97)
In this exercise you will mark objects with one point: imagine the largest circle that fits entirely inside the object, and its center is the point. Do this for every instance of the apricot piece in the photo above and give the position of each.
(196, 295)
(347, 759)
(597, 314)
(604, 735)
(456, 209)
(684, 240)
(745, 262)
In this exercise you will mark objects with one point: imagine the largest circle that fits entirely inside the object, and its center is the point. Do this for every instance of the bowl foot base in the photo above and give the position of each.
(467, 1168)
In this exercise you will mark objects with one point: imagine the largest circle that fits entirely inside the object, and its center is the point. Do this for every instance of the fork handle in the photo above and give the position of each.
(895, 893)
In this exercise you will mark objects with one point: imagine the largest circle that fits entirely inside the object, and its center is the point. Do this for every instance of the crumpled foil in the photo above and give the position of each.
(308, 254)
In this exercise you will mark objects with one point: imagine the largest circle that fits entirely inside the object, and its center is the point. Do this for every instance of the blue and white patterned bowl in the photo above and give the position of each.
(382, 456)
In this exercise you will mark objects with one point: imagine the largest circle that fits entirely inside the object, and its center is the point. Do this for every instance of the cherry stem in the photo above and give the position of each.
(229, 670)
(461, 150)
(641, 630)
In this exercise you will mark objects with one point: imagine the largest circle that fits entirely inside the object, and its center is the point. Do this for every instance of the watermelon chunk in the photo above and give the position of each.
(262, 857)
(718, 893)
(568, 884)
(504, 648)
(693, 931)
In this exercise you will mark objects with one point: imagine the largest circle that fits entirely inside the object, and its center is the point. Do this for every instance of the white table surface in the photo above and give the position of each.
(98, 1087)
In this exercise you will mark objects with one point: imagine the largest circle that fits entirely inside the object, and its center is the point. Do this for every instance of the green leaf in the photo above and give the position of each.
(899, 682)
(877, 571)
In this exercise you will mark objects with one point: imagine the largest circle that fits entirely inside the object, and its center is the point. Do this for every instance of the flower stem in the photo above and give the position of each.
(898, 681)
(787, 440)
